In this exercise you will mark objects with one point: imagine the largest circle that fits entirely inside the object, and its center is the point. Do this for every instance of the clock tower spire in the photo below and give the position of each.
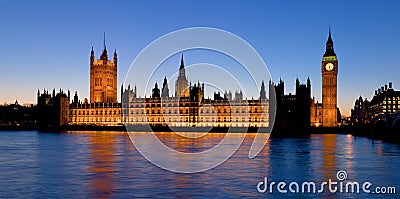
(329, 84)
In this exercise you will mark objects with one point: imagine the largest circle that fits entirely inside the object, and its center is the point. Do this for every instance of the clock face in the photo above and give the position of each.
(329, 66)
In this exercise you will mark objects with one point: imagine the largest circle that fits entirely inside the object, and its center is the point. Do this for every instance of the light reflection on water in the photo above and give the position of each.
(106, 164)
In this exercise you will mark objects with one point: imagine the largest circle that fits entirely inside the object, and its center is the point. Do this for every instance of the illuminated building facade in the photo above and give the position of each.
(386, 101)
(188, 108)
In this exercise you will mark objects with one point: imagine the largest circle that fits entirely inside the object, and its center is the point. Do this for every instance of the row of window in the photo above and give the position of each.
(391, 102)
(148, 105)
(158, 111)
(392, 98)
(389, 111)
(186, 119)
(94, 119)
(97, 112)
(201, 111)
(391, 107)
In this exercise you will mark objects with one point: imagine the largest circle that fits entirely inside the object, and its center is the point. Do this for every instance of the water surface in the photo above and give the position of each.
(107, 165)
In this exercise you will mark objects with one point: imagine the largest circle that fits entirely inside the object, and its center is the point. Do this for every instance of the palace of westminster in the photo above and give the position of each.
(188, 106)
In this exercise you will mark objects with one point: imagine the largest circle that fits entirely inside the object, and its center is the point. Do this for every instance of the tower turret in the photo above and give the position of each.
(92, 56)
(263, 94)
(104, 55)
(115, 59)
(165, 89)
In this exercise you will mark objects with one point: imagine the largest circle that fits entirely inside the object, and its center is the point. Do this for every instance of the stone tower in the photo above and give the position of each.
(103, 77)
(329, 85)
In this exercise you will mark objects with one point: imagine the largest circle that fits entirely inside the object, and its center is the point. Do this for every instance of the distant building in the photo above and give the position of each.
(360, 112)
(385, 101)
(15, 115)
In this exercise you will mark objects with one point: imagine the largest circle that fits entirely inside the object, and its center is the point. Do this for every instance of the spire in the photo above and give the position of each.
(182, 64)
(104, 40)
(329, 37)
(104, 55)
(262, 91)
(165, 90)
(329, 45)
(135, 90)
(115, 59)
(165, 81)
(92, 56)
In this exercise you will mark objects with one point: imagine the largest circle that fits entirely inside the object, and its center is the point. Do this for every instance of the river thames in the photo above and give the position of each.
(107, 165)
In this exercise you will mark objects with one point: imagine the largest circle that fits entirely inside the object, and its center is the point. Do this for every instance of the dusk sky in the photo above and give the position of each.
(46, 44)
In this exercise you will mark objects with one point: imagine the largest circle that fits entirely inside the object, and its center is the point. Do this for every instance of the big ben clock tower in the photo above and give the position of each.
(329, 85)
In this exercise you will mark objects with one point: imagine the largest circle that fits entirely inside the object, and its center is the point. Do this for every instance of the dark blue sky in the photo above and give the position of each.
(46, 44)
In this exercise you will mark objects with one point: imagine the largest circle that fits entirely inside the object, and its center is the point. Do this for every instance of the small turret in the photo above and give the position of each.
(92, 56)
(115, 59)
(104, 55)
(165, 89)
(263, 94)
